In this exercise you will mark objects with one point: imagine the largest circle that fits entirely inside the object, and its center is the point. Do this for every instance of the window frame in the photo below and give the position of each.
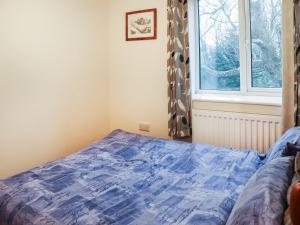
(245, 54)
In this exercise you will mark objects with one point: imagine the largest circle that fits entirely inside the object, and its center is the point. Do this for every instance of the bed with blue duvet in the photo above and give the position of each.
(133, 179)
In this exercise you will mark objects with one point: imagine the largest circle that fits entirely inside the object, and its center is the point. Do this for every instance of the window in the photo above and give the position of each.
(239, 46)
(265, 17)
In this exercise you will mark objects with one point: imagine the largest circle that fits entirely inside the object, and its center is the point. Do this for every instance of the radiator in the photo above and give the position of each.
(236, 130)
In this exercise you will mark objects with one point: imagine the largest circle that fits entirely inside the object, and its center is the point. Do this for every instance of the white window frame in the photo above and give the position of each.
(246, 88)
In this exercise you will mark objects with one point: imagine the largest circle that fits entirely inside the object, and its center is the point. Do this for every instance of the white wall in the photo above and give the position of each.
(68, 77)
(53, 79)
(138, 71)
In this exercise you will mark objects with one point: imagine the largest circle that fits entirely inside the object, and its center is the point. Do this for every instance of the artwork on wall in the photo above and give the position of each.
(141, 25)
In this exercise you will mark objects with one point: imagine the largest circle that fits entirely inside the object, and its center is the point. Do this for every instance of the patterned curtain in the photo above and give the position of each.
(178, 70)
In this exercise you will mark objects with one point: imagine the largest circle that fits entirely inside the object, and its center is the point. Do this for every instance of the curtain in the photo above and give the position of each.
(290, 83)
(297, 61)
(179, 91)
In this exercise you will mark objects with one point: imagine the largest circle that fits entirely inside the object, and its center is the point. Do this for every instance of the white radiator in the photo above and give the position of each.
(236, 130)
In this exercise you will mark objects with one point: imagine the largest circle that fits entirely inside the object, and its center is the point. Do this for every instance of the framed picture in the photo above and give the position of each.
(141, 25)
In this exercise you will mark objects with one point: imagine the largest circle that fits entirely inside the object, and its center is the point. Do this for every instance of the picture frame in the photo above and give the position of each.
(141, 25)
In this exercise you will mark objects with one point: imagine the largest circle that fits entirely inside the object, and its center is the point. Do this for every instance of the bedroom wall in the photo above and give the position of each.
(138, 79)
(53, 79)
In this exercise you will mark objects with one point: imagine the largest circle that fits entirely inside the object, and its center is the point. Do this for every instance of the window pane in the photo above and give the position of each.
(219, 45)
(266, 43)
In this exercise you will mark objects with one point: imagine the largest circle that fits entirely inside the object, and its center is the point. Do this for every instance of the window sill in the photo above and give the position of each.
(239, 99)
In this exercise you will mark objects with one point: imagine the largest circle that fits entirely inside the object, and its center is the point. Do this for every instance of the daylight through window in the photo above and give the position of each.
(240, 45)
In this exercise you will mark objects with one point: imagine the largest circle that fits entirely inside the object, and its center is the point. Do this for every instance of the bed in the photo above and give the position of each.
(132, 179)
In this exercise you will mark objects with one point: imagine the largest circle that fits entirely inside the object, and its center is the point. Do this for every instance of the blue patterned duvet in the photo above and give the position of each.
(130, 179)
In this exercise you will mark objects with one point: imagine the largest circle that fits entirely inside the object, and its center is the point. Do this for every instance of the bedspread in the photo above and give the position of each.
(130, 179)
